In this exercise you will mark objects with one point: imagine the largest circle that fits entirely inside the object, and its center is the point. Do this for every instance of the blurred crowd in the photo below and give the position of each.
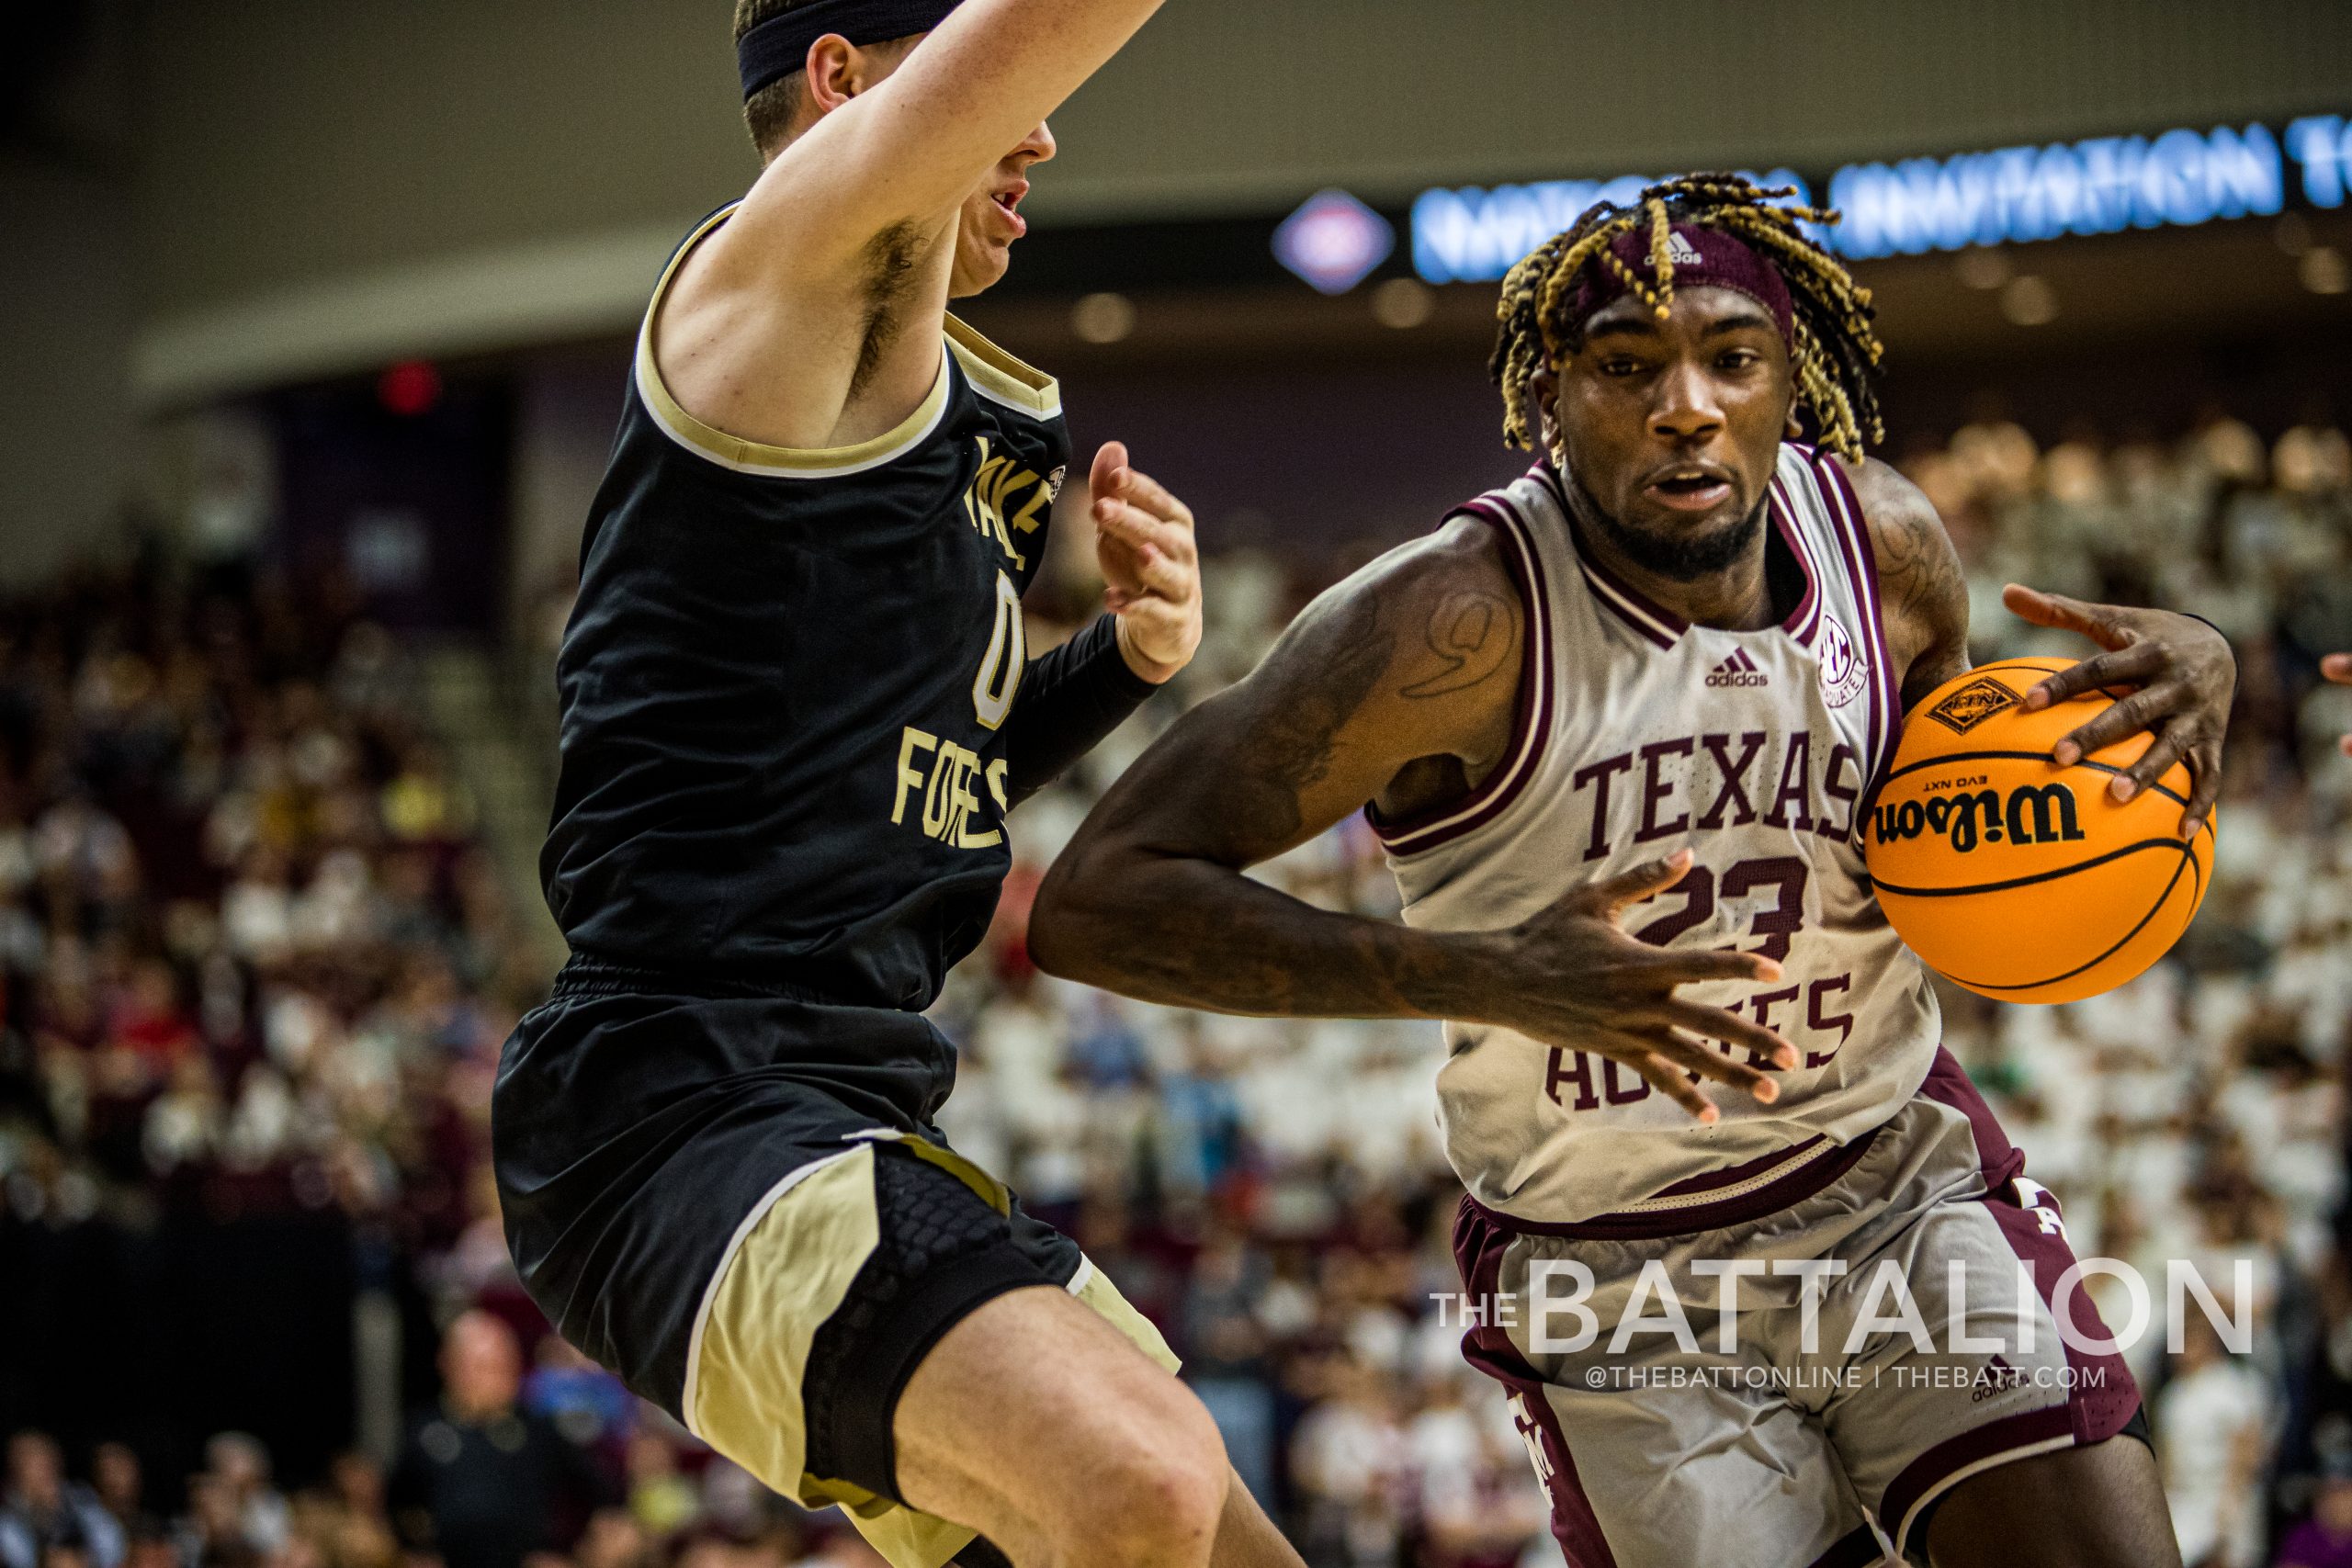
(257, 962)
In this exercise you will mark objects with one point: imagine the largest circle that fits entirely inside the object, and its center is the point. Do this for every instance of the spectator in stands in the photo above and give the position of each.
(1349, 1456)
(482, 1483)
(120, 1483)
(210, 1535)
(2211, 1421)
(347, 1522)
(665, 1503)
(614, 1540)
(2325, 1540)
(241, 1465)
(845, 1549)
(41, 1511)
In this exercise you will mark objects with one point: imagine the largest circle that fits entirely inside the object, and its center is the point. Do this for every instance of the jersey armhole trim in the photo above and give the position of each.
(745, 456)
(1000, 378)
(1531, 724)
(1861, 554)
(1805, 619)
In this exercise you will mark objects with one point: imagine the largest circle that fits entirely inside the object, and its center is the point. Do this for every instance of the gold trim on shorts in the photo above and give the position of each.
(789, 1269)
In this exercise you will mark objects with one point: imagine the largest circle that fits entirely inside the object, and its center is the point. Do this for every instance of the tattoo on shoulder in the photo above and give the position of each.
(1474, 632)
(1289, 745)
(1919, 573)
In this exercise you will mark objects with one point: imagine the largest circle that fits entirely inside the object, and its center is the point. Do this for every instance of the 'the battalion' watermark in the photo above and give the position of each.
(1983, 1381)
(1558, 1312)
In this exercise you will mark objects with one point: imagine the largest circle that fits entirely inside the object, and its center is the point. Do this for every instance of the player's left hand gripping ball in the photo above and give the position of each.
(1151, 565)
(2185, 675)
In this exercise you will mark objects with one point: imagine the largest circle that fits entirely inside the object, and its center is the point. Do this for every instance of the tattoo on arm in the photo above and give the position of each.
(1149, 898)
(1923, 592)
(1287, 744)
(1918, 574)
(1474, 632)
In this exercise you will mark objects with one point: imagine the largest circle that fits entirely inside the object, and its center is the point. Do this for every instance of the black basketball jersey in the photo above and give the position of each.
(784, 681)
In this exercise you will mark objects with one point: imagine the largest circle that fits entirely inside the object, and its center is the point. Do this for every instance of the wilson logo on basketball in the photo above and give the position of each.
(1973, 705)
(1739, 671)
(2014, 875)
(2033, 814)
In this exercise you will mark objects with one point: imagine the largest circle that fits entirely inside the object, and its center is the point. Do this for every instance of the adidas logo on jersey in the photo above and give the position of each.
(1680, 251)
(1739, 671)
(1995, 1377)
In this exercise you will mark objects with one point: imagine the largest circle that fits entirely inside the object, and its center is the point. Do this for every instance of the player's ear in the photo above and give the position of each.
(1547, 385)
(836, 72)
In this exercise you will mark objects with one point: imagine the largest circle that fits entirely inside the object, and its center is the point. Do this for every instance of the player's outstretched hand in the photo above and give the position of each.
(1151, 563)
(1575, 979)
(2185, 674)
(2337, 667)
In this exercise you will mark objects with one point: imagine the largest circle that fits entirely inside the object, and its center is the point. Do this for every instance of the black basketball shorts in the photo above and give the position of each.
(734, 1202)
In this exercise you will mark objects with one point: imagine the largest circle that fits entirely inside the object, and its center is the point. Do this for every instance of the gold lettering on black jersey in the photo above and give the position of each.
(1005, 499)
(939, 777)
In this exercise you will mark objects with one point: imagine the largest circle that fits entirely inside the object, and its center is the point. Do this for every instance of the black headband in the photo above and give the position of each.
(779, 45)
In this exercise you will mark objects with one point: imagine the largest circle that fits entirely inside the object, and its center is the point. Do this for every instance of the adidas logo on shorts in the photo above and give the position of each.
(1739, 671)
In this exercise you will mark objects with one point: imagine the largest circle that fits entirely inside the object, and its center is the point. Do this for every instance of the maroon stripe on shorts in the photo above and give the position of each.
(2102, 1407)
(1932, 1470)
(1732, 1176)
(1803, 1182)
(1478, 1248)
(1947, 1083)
(2103, 1396)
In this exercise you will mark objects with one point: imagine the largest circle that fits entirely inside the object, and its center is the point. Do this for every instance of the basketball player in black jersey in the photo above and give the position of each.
(796, 708)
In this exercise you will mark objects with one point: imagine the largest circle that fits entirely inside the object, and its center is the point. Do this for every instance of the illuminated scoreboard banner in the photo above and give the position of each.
(2099, 186)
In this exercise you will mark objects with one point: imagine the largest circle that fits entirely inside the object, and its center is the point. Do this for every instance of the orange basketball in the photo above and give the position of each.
(2018, 878)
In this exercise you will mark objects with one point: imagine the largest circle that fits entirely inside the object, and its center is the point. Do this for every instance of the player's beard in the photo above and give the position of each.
(1682, 556)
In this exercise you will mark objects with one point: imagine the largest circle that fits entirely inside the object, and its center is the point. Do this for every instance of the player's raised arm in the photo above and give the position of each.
(907, 150)
(1407, 671)
(898, 136)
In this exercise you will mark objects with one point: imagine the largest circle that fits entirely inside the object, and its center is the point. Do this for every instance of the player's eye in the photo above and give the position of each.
(1739, 358)
(1619, 364)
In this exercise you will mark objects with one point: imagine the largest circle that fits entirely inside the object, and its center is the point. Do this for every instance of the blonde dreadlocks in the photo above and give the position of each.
(1835, 351)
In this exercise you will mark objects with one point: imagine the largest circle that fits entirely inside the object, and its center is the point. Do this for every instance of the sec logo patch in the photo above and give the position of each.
(1844, 671)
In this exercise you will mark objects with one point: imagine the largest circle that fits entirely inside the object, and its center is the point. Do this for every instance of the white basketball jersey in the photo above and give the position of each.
(1639, 734)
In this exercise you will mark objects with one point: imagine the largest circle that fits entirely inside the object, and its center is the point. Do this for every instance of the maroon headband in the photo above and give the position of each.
(1701, 258)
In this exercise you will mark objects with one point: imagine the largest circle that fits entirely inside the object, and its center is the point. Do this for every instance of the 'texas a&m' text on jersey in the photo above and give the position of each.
(1638, 733)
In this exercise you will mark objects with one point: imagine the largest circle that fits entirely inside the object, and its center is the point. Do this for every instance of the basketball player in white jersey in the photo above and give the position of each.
(1617, 722)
